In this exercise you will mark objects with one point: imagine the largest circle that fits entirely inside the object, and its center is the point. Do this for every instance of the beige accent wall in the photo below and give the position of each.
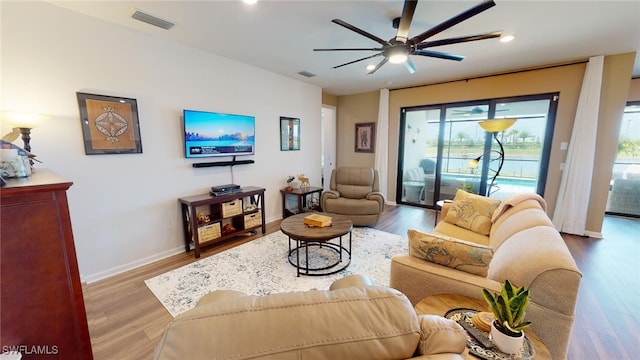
(328, 99)
(567, 80)
(353, 109)
(616, 81)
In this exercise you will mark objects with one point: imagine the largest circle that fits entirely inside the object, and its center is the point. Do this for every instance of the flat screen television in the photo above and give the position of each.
(209, 134)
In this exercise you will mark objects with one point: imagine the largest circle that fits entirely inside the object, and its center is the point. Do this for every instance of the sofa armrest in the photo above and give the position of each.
(218, 295)
(440, 336)
(351, 280)
(326, 195)
(377, 196)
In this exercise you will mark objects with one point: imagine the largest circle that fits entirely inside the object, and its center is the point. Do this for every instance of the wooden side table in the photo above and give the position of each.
(441, 303)
(300, 197)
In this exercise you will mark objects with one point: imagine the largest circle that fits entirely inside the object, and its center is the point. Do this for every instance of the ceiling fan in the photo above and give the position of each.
(398, 49)
(475, 111)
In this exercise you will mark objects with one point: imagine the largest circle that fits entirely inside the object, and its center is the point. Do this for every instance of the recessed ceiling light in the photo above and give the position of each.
(371, 67)
(507, 38)
(250, 2)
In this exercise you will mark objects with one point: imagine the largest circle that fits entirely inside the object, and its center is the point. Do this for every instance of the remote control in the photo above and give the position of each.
(480, 336)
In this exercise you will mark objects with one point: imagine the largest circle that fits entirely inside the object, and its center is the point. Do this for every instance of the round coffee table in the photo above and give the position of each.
(442, 303)
(316, 238)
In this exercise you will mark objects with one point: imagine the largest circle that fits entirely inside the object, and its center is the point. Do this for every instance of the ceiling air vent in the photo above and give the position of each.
(307, 74)
(152, 20)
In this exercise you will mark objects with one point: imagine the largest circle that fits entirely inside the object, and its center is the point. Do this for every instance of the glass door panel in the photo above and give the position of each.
(463, 141)
(624, 192)
(418, 137)
(526, 147)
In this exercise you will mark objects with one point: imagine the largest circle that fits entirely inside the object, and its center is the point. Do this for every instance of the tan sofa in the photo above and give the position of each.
(522, 246)
(355, 193)
(351, 320)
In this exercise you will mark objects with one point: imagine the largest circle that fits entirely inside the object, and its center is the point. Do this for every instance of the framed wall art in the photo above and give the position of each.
(289, 133)
(365, 137)
(110, 124)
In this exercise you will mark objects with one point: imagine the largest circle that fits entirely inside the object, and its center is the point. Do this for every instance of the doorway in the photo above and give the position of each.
(328, 136)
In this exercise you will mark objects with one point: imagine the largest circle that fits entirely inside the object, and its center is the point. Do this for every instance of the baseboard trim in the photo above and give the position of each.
(141, 262)
(593, 234)
(130, 266)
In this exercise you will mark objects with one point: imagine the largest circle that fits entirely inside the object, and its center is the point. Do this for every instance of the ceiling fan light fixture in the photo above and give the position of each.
(398, 58)
(507, 38)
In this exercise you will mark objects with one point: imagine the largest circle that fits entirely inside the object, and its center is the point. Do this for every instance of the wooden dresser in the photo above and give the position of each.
(42, 311)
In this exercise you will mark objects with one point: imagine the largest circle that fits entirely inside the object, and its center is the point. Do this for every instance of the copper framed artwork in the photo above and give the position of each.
(365, 137)
(110, 124)
(289, 133)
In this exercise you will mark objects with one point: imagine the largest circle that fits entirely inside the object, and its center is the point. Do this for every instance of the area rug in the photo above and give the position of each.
(261, 267)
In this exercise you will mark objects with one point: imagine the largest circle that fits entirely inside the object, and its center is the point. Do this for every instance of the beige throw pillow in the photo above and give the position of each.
(454, 253)
(472, 212)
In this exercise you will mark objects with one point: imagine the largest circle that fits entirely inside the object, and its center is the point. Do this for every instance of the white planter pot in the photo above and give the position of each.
(505, 343)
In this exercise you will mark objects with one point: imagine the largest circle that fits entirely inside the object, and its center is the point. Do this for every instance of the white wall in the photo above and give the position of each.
(124, 208)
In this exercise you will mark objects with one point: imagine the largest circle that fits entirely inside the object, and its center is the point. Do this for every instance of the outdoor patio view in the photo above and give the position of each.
(624, 193)
(450, 142)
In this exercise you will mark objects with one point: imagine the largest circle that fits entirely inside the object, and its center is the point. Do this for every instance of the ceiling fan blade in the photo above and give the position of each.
(405, 20)
(453, 21)
(350, 49)
(355, 61)
(411, 68)
(439, 55)
(360, 31)
(461, 39)
(384, 61)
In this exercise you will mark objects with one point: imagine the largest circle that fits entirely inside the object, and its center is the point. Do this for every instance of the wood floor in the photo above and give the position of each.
(126, 320)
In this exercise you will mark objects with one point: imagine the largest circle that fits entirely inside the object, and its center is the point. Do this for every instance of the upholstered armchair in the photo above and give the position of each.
(354, 192)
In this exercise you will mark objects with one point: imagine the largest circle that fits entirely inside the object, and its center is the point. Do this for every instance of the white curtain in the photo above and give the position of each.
(570, 215)
(382, 141)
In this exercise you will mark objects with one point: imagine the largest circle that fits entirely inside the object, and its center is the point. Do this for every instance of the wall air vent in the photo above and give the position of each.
(152, 20)
(307, 74)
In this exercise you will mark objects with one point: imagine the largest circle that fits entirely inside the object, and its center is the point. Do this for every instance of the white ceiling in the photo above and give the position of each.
(280, 36)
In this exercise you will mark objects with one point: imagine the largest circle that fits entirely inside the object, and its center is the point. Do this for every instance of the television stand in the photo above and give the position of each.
(208, 220)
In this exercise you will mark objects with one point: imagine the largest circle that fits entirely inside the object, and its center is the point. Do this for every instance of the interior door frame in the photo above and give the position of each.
(328, 135)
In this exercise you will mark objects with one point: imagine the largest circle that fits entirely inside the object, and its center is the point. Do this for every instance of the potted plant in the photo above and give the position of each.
(509, 308)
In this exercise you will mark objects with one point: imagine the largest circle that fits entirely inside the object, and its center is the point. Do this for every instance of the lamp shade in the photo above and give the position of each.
(23, 120)
(496, 125)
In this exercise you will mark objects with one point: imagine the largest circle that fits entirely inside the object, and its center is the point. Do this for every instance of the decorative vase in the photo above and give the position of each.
(506, 343)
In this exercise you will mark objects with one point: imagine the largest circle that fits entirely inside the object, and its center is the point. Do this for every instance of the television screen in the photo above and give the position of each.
(215, 134)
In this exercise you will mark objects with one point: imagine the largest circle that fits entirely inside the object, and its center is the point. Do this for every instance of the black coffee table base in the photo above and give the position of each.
(334, 263)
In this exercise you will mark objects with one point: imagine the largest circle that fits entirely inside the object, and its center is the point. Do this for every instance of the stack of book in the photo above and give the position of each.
(317, 220)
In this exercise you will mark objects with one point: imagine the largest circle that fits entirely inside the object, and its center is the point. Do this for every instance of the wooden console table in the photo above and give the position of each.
(210, 219)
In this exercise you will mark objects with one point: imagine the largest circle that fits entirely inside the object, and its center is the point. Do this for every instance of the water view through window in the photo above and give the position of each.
(438, 142)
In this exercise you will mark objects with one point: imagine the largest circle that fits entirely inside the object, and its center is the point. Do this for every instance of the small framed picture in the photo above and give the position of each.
(110, 124)
(365, 137)
(289, 133)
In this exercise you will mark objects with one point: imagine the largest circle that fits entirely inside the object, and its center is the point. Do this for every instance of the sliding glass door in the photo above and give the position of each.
(624, 192)
(438, 143)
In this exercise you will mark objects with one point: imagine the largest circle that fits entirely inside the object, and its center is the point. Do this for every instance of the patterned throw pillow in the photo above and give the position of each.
(454, 253)
(472, 212)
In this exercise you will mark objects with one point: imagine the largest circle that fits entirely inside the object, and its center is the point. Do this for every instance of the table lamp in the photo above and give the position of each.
(24, 122)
